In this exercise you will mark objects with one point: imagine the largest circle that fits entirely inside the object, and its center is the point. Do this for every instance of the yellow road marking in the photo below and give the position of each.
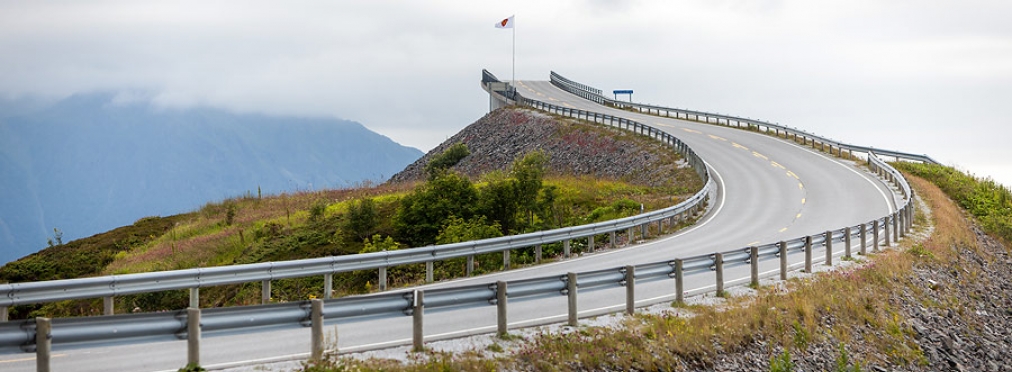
(802, 200)
(801, 186)
(567, 104)
(693, 131)
(717, 138)
(798, 216)
(553, 99)
(775, 164)
(783, 229)
(665, 125)
(752, 243)
(758, 155)
(789, 173)
(735, 144)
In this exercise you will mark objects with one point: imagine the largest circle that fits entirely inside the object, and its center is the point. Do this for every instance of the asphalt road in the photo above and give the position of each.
(769, 190)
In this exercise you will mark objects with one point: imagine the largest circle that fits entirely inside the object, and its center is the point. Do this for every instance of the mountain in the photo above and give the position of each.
(89, 163)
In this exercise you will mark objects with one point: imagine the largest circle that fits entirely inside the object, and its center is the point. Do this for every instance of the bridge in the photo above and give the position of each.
(776, 199)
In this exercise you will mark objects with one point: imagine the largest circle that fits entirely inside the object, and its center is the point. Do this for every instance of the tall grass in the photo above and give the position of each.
(987, 200)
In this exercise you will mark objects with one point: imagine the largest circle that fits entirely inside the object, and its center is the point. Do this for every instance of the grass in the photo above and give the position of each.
(842, 307)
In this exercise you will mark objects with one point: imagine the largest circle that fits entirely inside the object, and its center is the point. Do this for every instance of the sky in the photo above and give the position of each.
(928, 77)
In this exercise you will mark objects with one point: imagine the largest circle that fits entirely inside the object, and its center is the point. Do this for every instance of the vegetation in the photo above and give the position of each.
(985, 199)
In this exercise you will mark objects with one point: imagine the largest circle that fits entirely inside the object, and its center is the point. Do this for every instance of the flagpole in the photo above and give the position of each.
(514, 59)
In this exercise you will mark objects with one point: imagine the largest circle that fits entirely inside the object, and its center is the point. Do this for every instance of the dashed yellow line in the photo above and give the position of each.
(717, 138)
(783, 229)
(775, 164)
(735, 144)
(567, 105)
(798, 216)
(752, 243)
(789, 173)
(692, 131)
(553, 99)
(539, 94)
(801, 186)
(803, 200)
(758, 155)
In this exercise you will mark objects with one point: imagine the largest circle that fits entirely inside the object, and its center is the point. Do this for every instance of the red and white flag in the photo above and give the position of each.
(506, 23)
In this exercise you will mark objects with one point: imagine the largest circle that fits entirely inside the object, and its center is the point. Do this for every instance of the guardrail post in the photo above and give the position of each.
(571, 294)
(846, 243)
(382, 282)
(874, 236)
(864, 239)
(43, 343)
(885, 230)
(754, 261)
(506, 259)
(500, 297)
(428, 272)
(679, 281)
(611, 240)
(896, 227)
(590, 244)
(718, 261)
(566, 251)
(317, 332)
(193, 336)
(537, 253)
(417, 335)
(3, 314)
(328, 286)
(630, 236)
(470, 265)
(783, 260)
(195, 297)
(108, 305)
(265, 292)
(829, 248)
(808, 254)
(630, 289)
(643, 231)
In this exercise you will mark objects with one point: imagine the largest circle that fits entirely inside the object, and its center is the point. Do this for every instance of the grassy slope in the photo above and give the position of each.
(856, 312)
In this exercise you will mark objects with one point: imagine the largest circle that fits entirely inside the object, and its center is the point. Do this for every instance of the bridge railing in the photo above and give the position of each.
(594, 94)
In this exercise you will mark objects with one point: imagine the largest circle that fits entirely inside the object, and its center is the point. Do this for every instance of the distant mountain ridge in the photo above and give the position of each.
(87, 164)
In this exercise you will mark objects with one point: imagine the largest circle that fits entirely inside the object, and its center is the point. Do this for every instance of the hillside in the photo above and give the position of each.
(89, 163)
(576, 149)
(307, 224)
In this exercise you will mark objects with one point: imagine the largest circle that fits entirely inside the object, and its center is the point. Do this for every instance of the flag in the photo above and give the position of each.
(506, 23)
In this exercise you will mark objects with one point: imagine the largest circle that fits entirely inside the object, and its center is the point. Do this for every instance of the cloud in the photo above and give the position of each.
(848, 69)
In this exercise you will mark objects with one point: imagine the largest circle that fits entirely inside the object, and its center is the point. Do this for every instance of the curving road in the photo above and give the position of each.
(769, 190)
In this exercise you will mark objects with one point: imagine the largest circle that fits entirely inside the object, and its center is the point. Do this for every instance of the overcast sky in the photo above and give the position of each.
(931, 77)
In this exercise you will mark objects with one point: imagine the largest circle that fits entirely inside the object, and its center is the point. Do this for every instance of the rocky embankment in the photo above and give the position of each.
(574, 148)
(959, 315)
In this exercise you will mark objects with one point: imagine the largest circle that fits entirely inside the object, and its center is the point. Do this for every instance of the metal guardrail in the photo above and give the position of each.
(594, 94)
(24, 335)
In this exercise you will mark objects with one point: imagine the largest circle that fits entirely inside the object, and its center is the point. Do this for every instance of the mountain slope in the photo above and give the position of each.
(87, 163)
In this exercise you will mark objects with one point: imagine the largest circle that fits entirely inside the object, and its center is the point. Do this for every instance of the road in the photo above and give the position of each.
(769, 190)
